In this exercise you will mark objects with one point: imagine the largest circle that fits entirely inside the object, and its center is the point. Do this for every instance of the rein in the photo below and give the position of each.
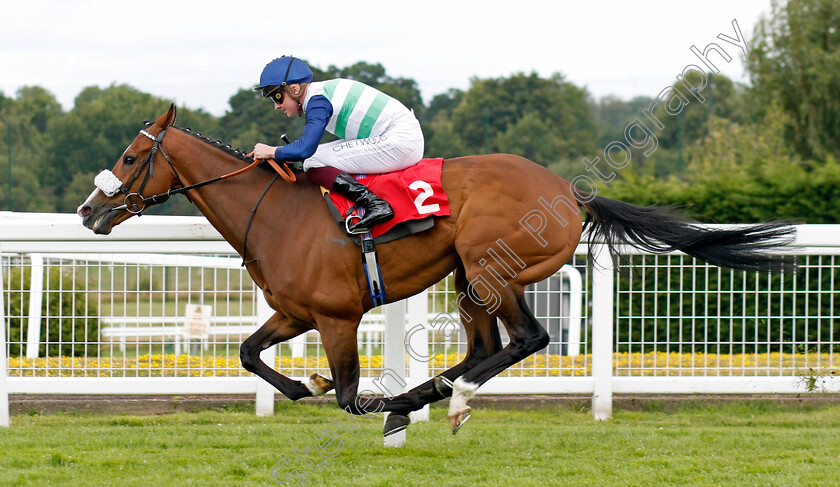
(137, 207)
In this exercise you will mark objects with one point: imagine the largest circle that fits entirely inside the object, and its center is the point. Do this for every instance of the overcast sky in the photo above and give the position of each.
(199, 53)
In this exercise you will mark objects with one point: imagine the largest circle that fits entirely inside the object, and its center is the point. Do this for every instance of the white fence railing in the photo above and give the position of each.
(91, 314)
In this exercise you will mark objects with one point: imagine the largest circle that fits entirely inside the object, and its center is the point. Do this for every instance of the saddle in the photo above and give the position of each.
(415, 194)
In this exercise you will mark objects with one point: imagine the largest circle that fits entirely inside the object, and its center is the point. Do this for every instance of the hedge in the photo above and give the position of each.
(69, 324)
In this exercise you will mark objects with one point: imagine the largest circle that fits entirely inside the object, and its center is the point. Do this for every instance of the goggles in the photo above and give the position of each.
(275, 93)
(277, 96)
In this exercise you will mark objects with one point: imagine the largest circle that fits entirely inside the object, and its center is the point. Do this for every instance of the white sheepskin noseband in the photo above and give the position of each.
(107, 182)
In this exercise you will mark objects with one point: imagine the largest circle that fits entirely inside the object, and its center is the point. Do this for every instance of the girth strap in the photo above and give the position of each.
(372, 271)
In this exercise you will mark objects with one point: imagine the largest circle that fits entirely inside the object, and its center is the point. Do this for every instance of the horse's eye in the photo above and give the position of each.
(128, 160)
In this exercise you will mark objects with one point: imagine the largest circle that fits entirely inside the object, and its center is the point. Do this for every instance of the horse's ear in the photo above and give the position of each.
(167, 118)
(170, 115)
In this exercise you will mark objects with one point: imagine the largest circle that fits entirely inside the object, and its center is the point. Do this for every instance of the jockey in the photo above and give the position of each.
(376, 133)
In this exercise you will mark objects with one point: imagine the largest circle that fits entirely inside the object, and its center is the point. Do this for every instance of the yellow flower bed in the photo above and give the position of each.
(700, 364)
(626, 364)
(143, 366)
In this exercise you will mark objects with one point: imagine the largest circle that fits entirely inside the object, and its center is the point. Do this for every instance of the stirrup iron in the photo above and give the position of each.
(348, 222)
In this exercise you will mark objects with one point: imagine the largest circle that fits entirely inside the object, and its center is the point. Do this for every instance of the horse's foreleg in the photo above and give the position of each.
(277, 329)
(339, 340)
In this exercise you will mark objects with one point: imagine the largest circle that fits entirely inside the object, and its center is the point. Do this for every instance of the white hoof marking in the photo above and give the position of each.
(462, 391)
(318, 385)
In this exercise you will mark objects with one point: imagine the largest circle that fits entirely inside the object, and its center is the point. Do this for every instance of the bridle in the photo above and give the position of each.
(135, 203)
(137, 207)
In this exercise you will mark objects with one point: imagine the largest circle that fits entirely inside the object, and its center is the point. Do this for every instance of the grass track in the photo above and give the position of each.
(742, 444)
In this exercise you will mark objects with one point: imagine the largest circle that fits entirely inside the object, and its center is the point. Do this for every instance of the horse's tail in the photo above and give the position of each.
(660, 229)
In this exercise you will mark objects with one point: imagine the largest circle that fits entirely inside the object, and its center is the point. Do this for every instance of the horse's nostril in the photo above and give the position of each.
(85, 211)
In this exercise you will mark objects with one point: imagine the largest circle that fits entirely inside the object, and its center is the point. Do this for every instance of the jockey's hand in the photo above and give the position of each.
(263, 151)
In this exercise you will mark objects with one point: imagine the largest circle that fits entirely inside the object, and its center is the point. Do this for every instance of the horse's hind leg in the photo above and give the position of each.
(278, 329)
(339, 341)
(483, 341)
(526, 337)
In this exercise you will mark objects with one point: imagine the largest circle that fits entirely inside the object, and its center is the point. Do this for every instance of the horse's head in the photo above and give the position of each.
(143, 169)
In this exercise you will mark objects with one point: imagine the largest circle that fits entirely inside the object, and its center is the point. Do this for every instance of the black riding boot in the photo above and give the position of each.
(377, 210)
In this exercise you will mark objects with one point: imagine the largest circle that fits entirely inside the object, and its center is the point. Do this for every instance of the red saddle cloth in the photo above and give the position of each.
(413, 193)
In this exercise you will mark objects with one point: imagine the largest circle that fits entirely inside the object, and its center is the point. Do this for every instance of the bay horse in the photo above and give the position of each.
(512, 223)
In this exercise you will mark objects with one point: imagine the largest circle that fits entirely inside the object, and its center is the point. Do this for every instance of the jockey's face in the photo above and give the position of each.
(288, 104)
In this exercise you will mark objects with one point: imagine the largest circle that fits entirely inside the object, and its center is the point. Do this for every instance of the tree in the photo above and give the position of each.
(101, 125)
(441, 138)
(794, 63)
(25, 121)
(719, 98)
(36, 106)
(742, 174)
(612, 114)
(27, 194)
(492, 106)
(533, 136)
(443, 103)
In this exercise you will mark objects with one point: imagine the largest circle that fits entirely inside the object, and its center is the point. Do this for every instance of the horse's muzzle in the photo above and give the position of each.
(100, 220)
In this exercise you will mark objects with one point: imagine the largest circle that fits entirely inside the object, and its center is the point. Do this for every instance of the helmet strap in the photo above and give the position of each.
(288, 68)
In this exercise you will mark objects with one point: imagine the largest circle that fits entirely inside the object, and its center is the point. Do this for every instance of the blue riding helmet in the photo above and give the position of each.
(283, 71)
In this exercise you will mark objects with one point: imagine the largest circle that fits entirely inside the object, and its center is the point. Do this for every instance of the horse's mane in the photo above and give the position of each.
(218, 144)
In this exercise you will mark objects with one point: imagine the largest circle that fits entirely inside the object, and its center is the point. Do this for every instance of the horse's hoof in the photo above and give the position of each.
(458, 419)
(395, 423)
(459, 412)
(319, 385)
(443, 385)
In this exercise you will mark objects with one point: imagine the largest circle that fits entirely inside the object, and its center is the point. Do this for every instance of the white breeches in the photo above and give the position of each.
(400, 147)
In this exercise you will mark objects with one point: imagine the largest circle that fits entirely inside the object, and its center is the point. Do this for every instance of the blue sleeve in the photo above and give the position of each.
(318, 113)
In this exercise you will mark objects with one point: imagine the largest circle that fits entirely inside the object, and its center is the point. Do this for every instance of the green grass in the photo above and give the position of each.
(742, 444)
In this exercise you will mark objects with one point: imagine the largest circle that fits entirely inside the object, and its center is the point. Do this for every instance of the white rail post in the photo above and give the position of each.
(4, 389)
(298, 345)
(265, 391)
(418, 342)
(36, 300)
(575, 308)
(603, 280)
(394, 361)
